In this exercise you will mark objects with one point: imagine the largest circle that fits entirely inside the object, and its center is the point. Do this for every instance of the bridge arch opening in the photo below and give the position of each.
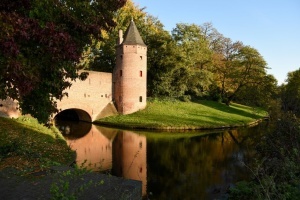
(73, 123)
(73, 114)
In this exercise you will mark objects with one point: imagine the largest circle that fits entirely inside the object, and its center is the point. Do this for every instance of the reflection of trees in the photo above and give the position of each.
(184, 168)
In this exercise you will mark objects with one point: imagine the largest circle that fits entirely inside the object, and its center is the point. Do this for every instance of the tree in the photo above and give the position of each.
(39, 48)
(223, 66)
(246, 68)
(260, 95)
(194, 68)
(290, 95)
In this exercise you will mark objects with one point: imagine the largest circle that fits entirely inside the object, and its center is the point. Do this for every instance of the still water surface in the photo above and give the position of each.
(186, 165)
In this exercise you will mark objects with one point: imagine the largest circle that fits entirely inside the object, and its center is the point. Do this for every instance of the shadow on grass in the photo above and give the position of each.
(21, 144)
(236, 109)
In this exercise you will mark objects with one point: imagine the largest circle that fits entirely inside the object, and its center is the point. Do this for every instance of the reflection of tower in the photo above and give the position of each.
(129, 157)
(130, 72)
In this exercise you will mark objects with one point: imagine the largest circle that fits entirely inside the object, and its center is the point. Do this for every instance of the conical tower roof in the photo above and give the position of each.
(132, 35)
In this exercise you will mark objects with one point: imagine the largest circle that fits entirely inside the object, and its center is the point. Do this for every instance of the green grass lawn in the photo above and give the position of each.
(28, 146)
(186, 115)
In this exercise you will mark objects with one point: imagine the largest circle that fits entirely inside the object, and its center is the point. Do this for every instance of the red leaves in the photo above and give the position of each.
(58, 43)
(16, 78)
(9, 48)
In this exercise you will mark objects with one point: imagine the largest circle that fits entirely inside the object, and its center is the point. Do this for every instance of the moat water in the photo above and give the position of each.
(174, 165)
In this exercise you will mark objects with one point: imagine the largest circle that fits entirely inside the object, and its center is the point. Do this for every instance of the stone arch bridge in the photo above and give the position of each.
(90, 99)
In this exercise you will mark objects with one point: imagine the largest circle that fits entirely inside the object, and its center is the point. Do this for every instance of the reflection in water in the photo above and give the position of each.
(197, 167)
(94, 150)
(73, 129)
(201, 167)
(102, 149)
(129, 157)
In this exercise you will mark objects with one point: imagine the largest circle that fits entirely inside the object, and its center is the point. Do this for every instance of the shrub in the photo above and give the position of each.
(277, 172)
(185, 98)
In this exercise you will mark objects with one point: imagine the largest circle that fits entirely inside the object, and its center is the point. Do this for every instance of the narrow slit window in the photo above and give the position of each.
(121, 73)
(141, 57)
(141, 99)
(141, 73)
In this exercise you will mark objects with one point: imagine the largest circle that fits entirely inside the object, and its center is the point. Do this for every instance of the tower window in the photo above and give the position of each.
(141, 73)
(141, 99)
(141, 57)
(121, 73)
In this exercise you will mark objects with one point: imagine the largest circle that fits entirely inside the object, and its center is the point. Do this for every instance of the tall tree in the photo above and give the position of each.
(223, 66)
(194, 68)
(39, 48)
(246, 68)
(290, 95)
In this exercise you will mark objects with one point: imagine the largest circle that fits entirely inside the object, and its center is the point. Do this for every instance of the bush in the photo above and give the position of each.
(185, 98)
(242, 191)
(277, 172)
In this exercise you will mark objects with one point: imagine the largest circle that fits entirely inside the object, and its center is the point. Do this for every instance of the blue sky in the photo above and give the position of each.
(270, 26)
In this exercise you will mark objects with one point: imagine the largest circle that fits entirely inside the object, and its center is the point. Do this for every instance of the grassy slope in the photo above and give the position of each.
(183, 115)
(29, 146)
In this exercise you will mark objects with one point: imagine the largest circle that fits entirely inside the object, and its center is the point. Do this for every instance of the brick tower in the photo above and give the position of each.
(130, 72)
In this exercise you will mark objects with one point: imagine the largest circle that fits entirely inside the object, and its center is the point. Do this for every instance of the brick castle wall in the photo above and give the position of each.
(90, 98)
(92, 95)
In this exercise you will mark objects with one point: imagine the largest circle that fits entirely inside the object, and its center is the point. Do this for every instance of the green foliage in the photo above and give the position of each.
(243, 191)
(290, 94)
(276, 172)
(259, 94)
(195, 58)
(185, 98)
(248, 68)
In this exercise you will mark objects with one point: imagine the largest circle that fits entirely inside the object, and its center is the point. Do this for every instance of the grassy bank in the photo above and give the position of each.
(28, 146)
(186, 115)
